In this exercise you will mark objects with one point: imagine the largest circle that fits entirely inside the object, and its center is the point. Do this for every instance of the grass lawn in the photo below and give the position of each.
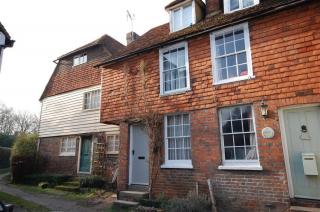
(30, 206)
(3, 171)
(116, 209)
(64, 194)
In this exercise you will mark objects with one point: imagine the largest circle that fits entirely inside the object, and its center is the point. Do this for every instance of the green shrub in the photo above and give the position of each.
(52, 180)
(25, 159)
(4, 157)
(25, 145)
(92, 182)
(192, 203)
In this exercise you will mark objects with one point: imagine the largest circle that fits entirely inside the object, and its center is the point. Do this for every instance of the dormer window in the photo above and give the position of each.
(185, 13)
(181, 18)
(80, 59)
(235, 5)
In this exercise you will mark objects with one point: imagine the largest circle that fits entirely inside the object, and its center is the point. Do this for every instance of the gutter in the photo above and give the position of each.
(192, 35)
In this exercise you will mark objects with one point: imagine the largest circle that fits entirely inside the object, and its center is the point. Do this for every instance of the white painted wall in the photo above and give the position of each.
(63, 114)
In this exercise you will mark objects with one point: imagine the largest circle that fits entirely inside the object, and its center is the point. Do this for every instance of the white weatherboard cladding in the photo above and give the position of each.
(63, 114)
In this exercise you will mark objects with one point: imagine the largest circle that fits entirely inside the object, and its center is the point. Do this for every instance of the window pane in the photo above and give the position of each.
(173, 59)
(237, 126)
(230, 48)
(225, 114)
(220, 50)
(236, 113)
(226, 127)
(229, 37)
(223, 74)
(251, 153)
(187, 16)
(240, 153)
(181, 57)
(239, 34)
(240, 45)
(231, 60)
(176, 20)
(248, 3)
(246, 112)
(234, 4)
(221, 63)
(229, 153)
(242, 58)
(219, 40)
(239, 140)
(250, 139)
(186, 119)
(228, 140)
(243, 70)
(232, 72)
(247, 125)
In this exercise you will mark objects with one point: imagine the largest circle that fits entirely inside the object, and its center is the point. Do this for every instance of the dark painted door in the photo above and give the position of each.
(85, 155)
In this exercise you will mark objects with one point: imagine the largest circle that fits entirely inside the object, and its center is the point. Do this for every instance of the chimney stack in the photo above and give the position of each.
(131, 36)
(213, 7)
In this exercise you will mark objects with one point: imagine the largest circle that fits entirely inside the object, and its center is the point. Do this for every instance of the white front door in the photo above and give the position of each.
(302, 132)
(139, 155)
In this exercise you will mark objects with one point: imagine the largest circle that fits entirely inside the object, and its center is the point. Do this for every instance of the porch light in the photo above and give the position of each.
(264, 109)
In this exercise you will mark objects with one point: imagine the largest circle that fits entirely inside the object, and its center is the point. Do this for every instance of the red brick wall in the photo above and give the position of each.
(285, 54)
(286, 64)
(50, 149)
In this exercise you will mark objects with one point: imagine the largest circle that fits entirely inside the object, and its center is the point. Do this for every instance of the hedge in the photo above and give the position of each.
(4, 157)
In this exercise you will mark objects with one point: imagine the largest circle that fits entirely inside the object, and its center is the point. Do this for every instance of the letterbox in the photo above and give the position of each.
(309, 164)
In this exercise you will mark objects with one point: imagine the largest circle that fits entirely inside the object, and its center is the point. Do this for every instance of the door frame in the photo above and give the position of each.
(281, 112)
(130, 157)
(79, 155)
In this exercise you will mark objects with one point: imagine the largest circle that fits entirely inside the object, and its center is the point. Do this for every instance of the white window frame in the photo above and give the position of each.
(245, 27)
(165, 49)
(68, 139)
(114, 151)
(226, 5)
(180, 7)
(176, 164)
(91, 99)
(239, 164)
(82, 58)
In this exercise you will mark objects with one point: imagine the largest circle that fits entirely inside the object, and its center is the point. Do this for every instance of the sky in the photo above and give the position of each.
(45, 30)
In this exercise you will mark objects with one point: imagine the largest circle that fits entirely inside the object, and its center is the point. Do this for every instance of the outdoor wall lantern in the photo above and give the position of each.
(264, 109)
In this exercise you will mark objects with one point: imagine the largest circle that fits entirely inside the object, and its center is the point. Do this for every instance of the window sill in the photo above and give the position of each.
(236, 79)
(175, 92)
(176, 166)
(239, 167)
(88, 110)
(67, 154)
(112, 153)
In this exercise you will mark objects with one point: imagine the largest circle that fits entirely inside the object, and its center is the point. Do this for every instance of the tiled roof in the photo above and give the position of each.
(180, 1)
(9, 42)
(113, 46)
(67, 78)
(161, 35)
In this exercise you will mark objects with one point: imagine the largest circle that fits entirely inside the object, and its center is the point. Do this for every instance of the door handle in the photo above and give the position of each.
(141, 157)
(133, 152)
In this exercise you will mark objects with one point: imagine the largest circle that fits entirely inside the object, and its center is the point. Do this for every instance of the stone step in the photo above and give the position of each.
(132, 195)
(125, 204)
(304, 209)
(138, 188)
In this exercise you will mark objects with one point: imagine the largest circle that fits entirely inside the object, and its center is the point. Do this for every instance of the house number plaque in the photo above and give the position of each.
(267, 132)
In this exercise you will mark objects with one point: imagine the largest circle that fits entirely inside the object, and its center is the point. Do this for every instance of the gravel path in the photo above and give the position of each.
(54, 203)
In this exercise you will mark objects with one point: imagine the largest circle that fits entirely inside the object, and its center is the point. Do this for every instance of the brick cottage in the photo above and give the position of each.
(72, 139)
(236, 84)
